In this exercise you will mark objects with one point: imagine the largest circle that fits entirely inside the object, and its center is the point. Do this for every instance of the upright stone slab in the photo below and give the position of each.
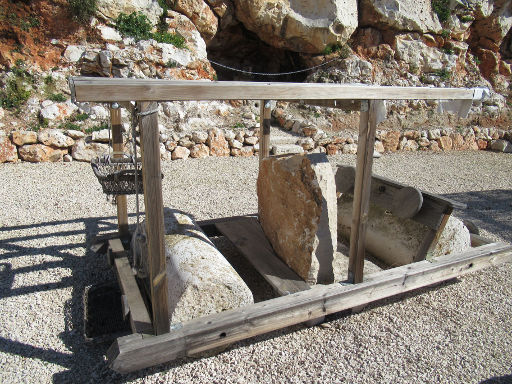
(297, 211)
(200, 280)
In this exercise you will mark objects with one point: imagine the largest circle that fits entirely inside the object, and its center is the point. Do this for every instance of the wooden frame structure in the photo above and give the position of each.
(155, 343)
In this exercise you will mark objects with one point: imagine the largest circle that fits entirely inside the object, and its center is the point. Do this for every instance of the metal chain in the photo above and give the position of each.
(273, 74)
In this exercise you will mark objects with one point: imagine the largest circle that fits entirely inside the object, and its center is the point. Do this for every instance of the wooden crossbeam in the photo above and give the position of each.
(119, 90)
(198, 335)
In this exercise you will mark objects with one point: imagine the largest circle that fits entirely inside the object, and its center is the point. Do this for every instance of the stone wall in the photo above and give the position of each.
(54, 145)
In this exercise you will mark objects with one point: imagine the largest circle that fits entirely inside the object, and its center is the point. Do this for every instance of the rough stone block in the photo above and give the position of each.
(297, 210)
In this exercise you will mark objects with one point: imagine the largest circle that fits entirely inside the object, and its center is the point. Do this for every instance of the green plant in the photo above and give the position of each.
(170, 38)
(49, 80)
(448, 51)
(17, 89)
(83, 10)
(342, 49)
(476, 59)
(136, 25)
(57, 97)
(171, 64)
(70, 126)
(239, 125)
(443, 74)
(442, 9)
(80, 117)
(316, 114)
(445, 33)
(97, 127)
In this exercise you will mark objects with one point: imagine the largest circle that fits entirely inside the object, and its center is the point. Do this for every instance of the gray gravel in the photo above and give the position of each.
(457, 332)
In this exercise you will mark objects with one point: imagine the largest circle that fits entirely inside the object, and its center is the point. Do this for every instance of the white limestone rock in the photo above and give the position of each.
(302, 230)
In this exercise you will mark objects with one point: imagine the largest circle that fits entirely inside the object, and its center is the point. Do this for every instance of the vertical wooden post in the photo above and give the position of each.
(362, 188)
(153, 201)
(117, 146)
(264, 129)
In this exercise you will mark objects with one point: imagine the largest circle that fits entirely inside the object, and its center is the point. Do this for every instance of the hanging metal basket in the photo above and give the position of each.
(117, 176)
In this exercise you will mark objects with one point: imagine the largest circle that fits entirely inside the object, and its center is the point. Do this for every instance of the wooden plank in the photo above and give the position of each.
(140, 320)
(248, 236)
(224, 328)
(362, 189)
(119, 90)
(118, 146)
(153, 201)
(264, 129)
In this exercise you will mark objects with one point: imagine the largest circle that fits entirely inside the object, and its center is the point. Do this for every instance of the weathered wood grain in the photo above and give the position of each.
(129, 354)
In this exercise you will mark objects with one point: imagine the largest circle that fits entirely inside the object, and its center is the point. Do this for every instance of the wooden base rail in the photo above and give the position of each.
(136, 352)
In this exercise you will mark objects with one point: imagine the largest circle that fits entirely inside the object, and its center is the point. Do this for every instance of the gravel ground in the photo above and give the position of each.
(459, 331)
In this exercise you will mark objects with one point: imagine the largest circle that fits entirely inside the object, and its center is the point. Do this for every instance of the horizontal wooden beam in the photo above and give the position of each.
(100, 89)
(133, 353)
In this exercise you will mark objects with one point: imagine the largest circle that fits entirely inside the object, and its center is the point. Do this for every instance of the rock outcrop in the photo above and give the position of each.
(297, 211)
(402, 15)
(299, 25)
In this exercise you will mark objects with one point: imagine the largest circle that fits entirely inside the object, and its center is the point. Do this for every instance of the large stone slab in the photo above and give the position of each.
(301, 26)
(297, 211)
(200, 280)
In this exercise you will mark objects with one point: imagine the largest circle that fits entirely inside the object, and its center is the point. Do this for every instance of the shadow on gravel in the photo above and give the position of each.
(507, 379)
(86, 269)
(490, 210)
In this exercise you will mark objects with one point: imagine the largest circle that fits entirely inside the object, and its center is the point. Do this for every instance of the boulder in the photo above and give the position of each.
(427, 59)
(180, 153)
(199, 151)
(24, 137)
(300, 26)
(390, 140)
(200, 280)
(247, 151)
(501, 145)
(401, 15)
(496, 24)
(283, 149)
(302, 231)
(251, 140)
(111, 9)
(350, 149)
(36, 153)
(55, 138)
(217, 143)
(73, 53)
(83, 151)
(8, 151)
(102, 136)
(58, 111)
(200, 14)
(445, 143)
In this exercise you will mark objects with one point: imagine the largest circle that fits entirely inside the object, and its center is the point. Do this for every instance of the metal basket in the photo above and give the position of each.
(117, 176)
